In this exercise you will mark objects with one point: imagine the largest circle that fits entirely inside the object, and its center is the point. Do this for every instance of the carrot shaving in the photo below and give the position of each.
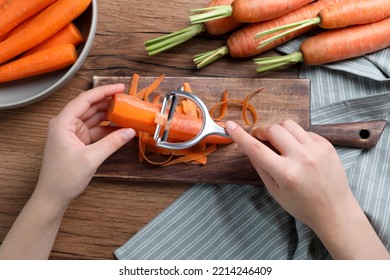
(144, 93)
(245, 106)
(223, 107)
(193, 156)
(142, 154)
(134, 85)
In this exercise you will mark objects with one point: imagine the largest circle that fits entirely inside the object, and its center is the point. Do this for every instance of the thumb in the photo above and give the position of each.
(112, 142)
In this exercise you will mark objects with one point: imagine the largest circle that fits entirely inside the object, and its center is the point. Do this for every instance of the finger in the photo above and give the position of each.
(260, 133)
(95, 108)
(98, 132)
(96, 119)
(281, 139)
(260, 155)
(109, 144)
(78, 106)
(297, 131)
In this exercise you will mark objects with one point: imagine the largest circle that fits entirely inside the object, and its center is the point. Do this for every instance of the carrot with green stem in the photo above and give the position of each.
(248, 11)
(47, 23)
(14, 12)
(241, 43)
(44, 61)
(215, 27)
(339, 15)
(334, 45)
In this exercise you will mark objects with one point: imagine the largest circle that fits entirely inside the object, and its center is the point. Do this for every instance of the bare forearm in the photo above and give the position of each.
(34, 231)
(351, 236)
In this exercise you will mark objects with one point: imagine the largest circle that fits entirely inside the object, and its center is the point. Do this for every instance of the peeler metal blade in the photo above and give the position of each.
(209, 127)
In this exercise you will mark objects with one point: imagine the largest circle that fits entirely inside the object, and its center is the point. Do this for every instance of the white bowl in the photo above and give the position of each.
(30, 90)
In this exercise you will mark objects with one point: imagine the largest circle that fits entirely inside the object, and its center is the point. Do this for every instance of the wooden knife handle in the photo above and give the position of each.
(357, 134)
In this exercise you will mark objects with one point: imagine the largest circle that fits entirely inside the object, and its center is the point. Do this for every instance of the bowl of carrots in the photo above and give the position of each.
(41, 50)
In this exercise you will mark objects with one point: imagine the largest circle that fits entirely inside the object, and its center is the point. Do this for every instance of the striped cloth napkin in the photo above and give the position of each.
(245, 222)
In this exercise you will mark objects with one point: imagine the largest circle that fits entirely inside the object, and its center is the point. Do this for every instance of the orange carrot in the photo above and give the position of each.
(241, 43)
(215, 27)
(129, 111)
(47, 23)
(335, 45)
(249, 11)
(44, 61)
(338, 15)
(70, 34)
(14, 12)
(20, 26)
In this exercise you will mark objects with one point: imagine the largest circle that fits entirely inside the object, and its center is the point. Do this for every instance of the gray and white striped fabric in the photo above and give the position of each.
(244, 222)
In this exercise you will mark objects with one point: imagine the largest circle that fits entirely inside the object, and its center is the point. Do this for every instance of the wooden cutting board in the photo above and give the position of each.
(279, 100)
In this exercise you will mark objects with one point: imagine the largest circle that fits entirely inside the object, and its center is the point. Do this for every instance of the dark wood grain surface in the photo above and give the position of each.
(110, 211)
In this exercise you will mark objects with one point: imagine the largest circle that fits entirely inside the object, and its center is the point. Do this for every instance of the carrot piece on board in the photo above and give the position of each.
(338, 15)
(215, 27)
(145, 92)
(188, 106)
(246, 105)
(334, 45)
(223, 107)
(70, 34)
(41, 62)
(14, 12)
(241, 44)
(47, 23)
(193, 156)
(134, 85)
(249, 11)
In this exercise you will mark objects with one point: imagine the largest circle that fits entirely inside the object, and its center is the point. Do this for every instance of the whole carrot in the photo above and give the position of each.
(241, 43)
(338, 15)
(214, 27)
(14, 12)
(335, 45)
(129, 111)
(47, 23)
(70, 34)
(249, 10)
(45, 61)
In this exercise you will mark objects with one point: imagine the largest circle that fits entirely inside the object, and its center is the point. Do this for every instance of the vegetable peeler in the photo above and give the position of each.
(209, 127)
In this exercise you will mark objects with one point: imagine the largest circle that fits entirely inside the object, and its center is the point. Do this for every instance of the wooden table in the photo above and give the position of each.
(110, 211)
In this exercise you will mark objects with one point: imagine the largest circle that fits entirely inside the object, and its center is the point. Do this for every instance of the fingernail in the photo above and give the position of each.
(230, 125)
(128, 134)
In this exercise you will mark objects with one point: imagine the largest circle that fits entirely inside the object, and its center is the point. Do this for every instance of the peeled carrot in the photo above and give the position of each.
(129, 111)
(338, 15)
(214, 27)
(70, 34)
(242, 44)
(249, 11)
(47, 23)
(47, 60)
(14, 12)
(335, 45)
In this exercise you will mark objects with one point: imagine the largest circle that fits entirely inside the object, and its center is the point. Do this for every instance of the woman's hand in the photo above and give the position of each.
(76, 145)
(303, 172)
